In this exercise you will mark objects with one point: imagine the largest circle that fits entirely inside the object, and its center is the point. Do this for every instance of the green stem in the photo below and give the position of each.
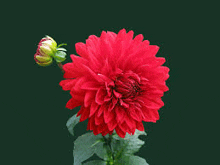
(60, 66)
(110, 139)
(110, 152)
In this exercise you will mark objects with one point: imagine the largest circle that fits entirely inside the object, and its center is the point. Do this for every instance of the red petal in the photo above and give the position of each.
(105, 132)
(91, 123)
(92, 44)
(101, 109)
(120, 113)
(150, 115)
(140, 126)
(124, 104)
(111, 36)
(152, 100)
(130, 34)
(88, 125)
(78, 61)
(95, 131)
(89, 98)
(101, 93)
(139, 38)
(91, 73)
(101, 128)
(117, 95)
(135, 114)
(112, 104)
(90, 85)
(106, 79)
(152, 50)
(93, 108)
(67, 84)
(81, 49)
(120, 132)
(107, 98)
(124, 127)
(112, 124)
(73, 104)
(108, 116)
(77, 96)
(105, 45)
(130, 122)
(68, 67)
(121, 34)
(79, 82)
(85, 114)
(80, 111)
(99, 119)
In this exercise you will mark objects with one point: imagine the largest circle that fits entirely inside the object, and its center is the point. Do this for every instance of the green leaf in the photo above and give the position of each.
(132, 160)
(100, 150)
(71, 123)
(128, 145)
(84, 147)
(133, 142)
(95, 162)
(60, 56)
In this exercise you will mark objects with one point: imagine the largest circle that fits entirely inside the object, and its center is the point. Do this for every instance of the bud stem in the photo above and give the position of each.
(60, 66)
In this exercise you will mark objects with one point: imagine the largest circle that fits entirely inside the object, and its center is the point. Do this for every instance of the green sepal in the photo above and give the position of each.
(60, 56)
(71, 123)
(63, 44)
(61, 49)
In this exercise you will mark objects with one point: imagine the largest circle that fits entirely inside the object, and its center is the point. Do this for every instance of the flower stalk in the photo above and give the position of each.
(109, 150)
(60, 66)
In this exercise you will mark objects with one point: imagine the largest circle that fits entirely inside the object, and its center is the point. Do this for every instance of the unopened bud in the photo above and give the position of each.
(47, 50)
(47, 46)
(50, 43)
(43, 60)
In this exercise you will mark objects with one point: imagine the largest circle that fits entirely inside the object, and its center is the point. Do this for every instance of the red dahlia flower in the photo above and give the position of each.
(117, 81)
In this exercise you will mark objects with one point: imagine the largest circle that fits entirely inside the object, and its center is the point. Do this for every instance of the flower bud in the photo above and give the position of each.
(48, 41)
(47, 50)
(43, 60)
(47, 46)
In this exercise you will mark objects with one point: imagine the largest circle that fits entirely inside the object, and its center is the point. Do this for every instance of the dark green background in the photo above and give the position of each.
(35, 115)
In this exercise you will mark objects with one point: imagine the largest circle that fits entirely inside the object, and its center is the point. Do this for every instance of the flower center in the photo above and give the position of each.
(127, 85)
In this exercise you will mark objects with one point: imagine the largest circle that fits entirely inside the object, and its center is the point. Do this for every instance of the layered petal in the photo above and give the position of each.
(117, 80)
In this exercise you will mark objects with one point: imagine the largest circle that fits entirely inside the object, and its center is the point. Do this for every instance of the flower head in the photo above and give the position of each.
(118, 82)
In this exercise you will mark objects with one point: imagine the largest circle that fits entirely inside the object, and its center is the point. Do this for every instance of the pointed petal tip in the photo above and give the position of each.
(122, 31)
(139, 38)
